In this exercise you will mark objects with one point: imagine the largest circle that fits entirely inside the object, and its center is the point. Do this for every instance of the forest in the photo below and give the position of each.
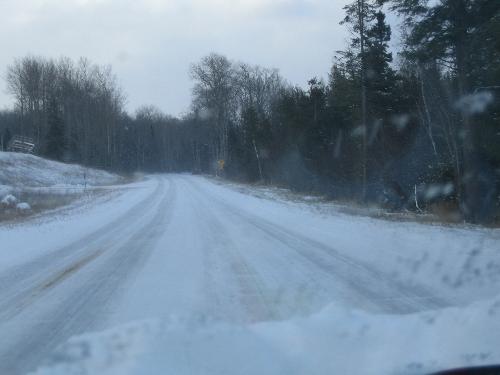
(408, 130)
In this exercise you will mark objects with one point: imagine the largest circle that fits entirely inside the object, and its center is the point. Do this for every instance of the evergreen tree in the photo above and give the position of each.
(381, 78)
(459, 36)
(359, 15)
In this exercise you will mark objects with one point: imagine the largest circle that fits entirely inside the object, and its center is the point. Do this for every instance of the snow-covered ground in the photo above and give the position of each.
(181, 275)
(30, 184)
(24, 170)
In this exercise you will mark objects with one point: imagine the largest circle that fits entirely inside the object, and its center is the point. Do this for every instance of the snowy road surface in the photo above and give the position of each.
(180, 245)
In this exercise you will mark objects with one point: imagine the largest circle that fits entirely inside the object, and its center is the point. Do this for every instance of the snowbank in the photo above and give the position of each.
(23, 170)
(43, 184)
(8, 200)
(334, 341)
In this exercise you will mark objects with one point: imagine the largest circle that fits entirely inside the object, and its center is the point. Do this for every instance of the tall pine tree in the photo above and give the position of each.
(459, 35)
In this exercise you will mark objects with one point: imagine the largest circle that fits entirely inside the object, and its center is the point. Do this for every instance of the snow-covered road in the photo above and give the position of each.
(180, 245)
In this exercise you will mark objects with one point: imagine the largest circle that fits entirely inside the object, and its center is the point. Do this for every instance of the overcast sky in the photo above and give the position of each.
(151, 43)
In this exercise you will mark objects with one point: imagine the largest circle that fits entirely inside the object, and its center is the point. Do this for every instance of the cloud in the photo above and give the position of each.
(151, 43)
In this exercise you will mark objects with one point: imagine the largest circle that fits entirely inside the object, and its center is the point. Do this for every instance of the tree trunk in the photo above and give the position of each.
(361, 20)
(258, 159)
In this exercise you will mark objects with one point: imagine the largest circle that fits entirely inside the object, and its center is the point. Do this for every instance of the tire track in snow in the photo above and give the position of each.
(21, 283)
(252, 293)
(82, 300)
(389, 295)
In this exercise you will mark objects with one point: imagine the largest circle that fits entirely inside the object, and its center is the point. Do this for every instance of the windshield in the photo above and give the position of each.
(249, 186)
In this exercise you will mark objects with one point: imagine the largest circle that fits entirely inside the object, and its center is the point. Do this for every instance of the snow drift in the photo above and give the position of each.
(334, 341)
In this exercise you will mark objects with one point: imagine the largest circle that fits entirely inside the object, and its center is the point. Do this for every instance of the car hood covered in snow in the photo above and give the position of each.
(333, 341)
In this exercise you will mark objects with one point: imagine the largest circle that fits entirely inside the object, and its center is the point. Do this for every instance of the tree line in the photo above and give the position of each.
(407, 132)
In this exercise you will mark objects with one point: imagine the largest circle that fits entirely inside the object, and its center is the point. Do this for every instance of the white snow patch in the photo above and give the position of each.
(23, 206)
(36, 179)
(24, 170)
(9, 200)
